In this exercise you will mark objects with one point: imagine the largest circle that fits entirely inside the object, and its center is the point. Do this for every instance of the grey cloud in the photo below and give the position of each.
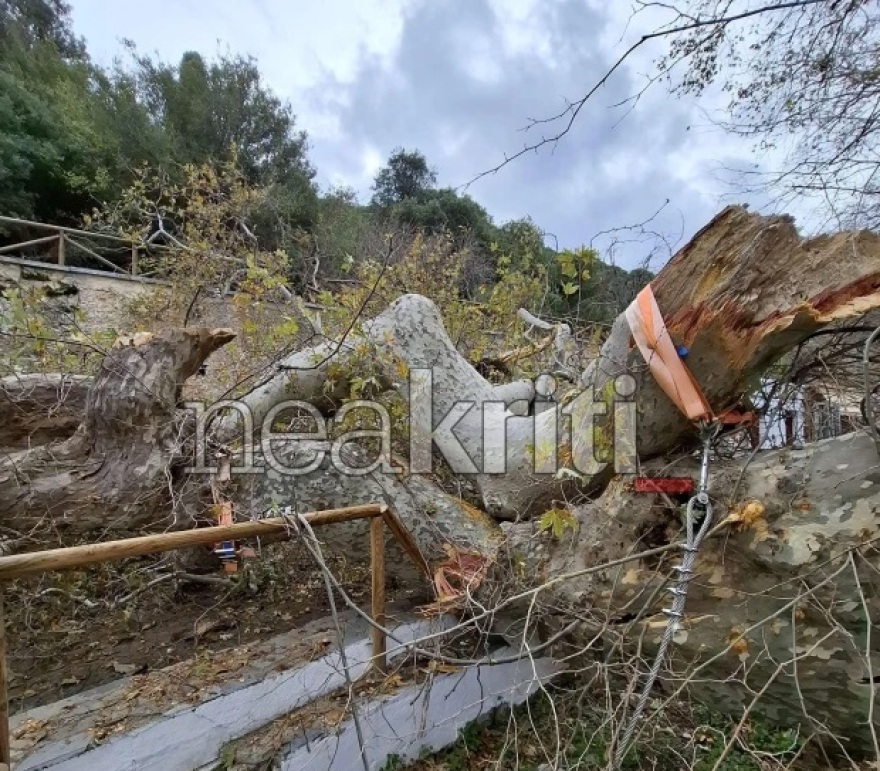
(427, 93)
(432, 90)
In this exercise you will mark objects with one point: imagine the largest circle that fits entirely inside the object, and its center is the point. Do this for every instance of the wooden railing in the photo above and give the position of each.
(61, 241)
(36, 563)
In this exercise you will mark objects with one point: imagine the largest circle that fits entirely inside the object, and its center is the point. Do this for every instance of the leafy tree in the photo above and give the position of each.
(211, 110)
(40, 21)
(53, 159)
(70, 134)
(606, 291)
(436, 211)
(282, 219)
(404, 190)
(519, 245)
(407, 175)
(343, 234)
(284, 211)
(125, 121)
(187, 109)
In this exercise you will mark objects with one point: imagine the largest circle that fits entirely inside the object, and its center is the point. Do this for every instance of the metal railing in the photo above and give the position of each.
(51, 560)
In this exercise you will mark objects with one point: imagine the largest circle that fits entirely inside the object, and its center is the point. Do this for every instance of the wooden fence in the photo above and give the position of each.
(60, 241)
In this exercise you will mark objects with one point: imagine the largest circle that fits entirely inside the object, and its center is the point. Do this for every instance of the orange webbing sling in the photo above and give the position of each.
(671, 373)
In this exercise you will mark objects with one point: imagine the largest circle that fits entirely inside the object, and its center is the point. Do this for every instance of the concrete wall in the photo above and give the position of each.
(79, 300)
(102, 296)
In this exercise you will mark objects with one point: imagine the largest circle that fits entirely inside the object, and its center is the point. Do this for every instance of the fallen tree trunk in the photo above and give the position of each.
(723, 297)
(744, 291)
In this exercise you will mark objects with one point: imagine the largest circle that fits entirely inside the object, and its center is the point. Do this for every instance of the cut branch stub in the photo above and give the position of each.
(140, 381)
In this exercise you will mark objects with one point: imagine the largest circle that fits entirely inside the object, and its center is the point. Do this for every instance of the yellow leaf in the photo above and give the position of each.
(738, 645)
(748, 515)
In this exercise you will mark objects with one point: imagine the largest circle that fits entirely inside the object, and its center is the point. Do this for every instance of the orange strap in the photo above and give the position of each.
(672, 375)
(224, 512)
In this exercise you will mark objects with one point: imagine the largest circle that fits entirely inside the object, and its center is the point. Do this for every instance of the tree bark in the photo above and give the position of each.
(40, 408)
(115, 472)
(784, 598)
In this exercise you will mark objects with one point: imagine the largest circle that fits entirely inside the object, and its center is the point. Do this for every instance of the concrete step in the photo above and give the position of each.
(179, 718)
(418, 718)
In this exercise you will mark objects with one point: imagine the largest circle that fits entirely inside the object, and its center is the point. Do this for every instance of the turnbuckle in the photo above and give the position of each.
(708, 432)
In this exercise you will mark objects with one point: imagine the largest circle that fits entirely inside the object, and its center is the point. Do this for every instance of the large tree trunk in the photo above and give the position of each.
(115, 472)
(744, 291)
(783, 600)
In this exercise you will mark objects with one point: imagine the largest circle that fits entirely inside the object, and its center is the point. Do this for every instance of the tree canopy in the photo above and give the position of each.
(39, 21)
(406, 175)
(211, 110)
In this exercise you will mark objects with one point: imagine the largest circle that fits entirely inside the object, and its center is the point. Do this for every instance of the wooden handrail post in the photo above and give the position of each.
(5, 758)
(134, 260)
(61, 247)
(377, 572)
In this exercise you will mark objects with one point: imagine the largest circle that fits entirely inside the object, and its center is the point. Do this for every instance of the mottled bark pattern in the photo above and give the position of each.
(432, 517)
(814, 510)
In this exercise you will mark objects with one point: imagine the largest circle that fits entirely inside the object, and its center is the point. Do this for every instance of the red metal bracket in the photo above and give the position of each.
(668, 485)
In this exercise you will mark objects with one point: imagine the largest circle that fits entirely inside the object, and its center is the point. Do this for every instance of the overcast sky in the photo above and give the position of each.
(459, 79)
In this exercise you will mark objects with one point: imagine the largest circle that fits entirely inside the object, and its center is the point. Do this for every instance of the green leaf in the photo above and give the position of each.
(557, 521)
